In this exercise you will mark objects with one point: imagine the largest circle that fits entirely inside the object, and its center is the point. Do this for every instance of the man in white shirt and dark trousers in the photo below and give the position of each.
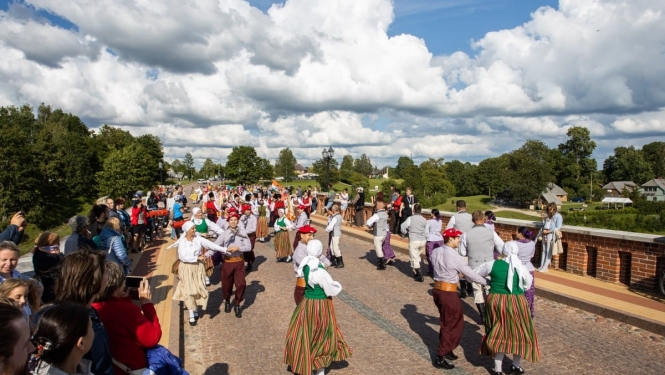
(463, 222)
(335, 226)
(479, 244)
(416, 226)
(379, 225)
(448, 264)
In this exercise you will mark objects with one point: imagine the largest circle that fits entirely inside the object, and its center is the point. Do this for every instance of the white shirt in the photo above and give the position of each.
(287, 223)
(332, 222)
(189, 251)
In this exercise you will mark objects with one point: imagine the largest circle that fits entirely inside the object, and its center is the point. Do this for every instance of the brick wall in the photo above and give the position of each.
(634, 259)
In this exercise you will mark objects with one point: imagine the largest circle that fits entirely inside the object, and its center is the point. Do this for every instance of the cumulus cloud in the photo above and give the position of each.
(313, 73)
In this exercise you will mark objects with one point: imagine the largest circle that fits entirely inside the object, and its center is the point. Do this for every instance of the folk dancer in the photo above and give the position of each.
(248, 224)
(233, 271)
(479, 244)
(191, 271)
(416, 225)
(509, 328)
(378, 223)
(462, 222)
(314, 339)
(434, 237)
(301, 221)
(283, 247)
(448, 264)
(307, 233)
(335, 227)
(205, 228)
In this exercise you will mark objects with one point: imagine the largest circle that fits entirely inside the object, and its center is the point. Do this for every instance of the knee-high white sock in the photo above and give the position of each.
(498, 360)
(517, 360)
(191, 314)
(320, 371)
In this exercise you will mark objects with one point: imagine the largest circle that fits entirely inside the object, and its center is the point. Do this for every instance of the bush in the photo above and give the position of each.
(649, 208)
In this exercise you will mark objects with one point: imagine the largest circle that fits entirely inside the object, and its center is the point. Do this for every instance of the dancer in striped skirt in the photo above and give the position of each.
(282, 242)
(508, 324)
(314, 340)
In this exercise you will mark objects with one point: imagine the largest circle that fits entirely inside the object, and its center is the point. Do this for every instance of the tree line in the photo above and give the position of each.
(52, 162)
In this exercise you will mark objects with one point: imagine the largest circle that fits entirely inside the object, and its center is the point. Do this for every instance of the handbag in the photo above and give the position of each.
(209, 266)
(127, 370)
(175, 266)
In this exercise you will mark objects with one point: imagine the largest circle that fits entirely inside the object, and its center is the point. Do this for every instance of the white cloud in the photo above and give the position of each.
(314, 73)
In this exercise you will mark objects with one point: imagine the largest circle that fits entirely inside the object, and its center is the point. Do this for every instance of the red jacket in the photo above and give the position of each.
(131, 332)
(135, 215)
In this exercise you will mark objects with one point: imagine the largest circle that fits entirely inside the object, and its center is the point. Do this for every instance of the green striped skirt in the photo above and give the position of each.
(314, 339)
(509, 328)
(283, 245)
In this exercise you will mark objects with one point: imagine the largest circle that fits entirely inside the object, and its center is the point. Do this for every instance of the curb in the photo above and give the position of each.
(624, 317)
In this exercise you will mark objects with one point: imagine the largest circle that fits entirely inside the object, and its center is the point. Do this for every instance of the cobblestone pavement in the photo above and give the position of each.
(391, 324)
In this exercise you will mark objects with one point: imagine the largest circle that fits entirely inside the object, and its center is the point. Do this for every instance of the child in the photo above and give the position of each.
(24, 293)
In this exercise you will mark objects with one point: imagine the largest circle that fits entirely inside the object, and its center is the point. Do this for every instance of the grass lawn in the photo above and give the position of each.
(516, 215)
(474, 202)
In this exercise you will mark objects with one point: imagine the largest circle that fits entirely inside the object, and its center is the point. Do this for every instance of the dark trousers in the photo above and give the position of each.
(298, 294)
(296, 241)
(233, 273)
(451, 320)
(249, 256)
(395, 216)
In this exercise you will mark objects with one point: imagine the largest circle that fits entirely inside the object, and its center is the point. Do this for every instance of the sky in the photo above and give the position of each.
(451, 79)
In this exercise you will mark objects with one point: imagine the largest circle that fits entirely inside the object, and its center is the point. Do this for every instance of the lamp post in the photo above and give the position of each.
(327, 156)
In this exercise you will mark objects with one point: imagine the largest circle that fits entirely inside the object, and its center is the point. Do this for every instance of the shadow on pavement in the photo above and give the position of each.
(157, 282)
(251, 291)
(259, 260)
(217, 369)
(214, 308)
(473, 334)
(338, 365)
(419, 325)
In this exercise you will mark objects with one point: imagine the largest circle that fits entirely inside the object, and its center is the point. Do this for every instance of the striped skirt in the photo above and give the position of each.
(509, 328)
(283, 244)
(314, 339)
(262, 227)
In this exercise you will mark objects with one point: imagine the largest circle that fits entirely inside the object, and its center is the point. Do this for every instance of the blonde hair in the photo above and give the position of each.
(32, 293)
(113, 223)
(47, 239)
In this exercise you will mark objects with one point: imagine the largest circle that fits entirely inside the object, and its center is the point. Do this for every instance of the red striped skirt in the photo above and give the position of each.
(509, 328)
(314, 339)
(283, 244)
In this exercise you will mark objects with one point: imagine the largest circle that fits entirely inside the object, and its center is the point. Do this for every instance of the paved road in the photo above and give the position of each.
(391, 324)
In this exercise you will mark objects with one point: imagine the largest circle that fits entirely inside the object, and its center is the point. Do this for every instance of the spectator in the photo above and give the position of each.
(14, 232)
(9, 254)
(24, 294)
(80, 237)
(406, 208)
(396, 205)
(15, 344)
(97, 218)
(139, 220)
(113, 212)
(82, 278)
(46, 259)
(551, 231)
(64, 335)
(112, 243)
(359, 205)
(344, 201)
(132, 329)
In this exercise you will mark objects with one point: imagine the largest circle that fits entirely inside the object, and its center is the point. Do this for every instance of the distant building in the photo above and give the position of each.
(379, 173)
(299, 169)
(616, 188)
(653, 190)
(553, 190)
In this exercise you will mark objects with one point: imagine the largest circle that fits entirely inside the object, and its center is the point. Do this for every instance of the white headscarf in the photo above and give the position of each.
(280, 210)
(185, 228)
(196, 221)
(314, 251)
(515, 264)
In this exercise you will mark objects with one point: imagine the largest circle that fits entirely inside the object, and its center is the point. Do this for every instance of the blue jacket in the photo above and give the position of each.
(100, 352)
(118, 253)
(162, 362)
(11, 233)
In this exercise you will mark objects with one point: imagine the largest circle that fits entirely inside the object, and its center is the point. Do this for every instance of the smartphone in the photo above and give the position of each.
(133, 281)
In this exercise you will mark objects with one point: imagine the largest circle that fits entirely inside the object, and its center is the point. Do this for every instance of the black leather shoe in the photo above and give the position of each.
(248, 269)
(333, 261)
(418, 276)
(238, 311)
(496, 373)
(441, 362)
(382, 264)
(450, 356)
(227, 307)
(192, 322)
(514, 370)
(340, 262)
(481, 311)
(196, 316)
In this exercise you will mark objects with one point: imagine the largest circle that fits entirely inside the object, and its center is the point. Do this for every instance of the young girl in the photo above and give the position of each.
(63, 337)
(23, 293)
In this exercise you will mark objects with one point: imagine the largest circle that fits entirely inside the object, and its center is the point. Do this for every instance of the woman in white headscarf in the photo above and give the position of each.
(508, 324)
(314, 339)
(282, 242)
(204, 226)
(192, 287)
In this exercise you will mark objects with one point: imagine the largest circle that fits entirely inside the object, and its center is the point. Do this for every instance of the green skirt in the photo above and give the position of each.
(283, 244)
(314, 339)
(509, 328)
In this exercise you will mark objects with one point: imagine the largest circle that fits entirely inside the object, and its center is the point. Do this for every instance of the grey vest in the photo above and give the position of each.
(479, 245)
(337, 229)
(463, 221)
(381, 225)
(417, 228)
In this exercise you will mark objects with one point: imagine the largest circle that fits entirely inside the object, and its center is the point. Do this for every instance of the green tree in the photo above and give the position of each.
(125, 173)
(208, 169)
(266, 171)
(359, 180)
(363, 165)
(627, 164)
(402, 164)
(154, 154)
(110, 139)
(346, 169)
(435, 187)
(463, 177)
(493, 174)
(654, 154)
(577, 151)
(244, 166)
(531, 171)
(319, 168)
(286, 165)
(188, 162)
